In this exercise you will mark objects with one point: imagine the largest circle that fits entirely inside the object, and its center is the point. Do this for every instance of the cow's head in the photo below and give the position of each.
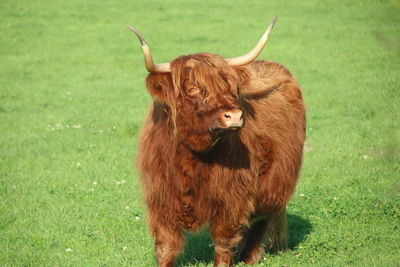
(201, 93)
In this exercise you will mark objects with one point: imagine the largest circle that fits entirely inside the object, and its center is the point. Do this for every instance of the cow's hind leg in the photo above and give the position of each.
(274, 227)
(277, 231)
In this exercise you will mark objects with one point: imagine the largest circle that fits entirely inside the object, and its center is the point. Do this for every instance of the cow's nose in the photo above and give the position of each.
(232, 118)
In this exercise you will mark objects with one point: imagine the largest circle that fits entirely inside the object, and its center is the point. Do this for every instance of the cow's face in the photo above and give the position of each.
(202, 94)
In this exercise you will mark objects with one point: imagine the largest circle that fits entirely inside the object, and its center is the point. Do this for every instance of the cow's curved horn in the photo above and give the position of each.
(250, 56)
(148, 59)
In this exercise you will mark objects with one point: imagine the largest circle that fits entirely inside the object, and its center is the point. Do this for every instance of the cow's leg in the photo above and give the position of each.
(225, 238)
(274, 226)
(252, 247)
(277, 231)
(168, 243)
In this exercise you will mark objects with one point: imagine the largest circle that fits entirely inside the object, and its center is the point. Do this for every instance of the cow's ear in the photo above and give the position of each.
(160, 86)
(256, 88)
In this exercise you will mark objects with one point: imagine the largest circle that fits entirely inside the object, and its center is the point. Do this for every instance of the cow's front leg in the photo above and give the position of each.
(225, 237)
(168, 243)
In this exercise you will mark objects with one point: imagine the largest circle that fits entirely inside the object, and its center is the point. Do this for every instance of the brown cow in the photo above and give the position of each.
(222, 143)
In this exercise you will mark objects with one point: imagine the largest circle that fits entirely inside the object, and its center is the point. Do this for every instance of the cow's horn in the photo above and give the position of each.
(148, 59)
(250, 56)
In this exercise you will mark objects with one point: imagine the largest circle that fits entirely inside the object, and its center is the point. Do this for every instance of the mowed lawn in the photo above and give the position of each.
(72, 101)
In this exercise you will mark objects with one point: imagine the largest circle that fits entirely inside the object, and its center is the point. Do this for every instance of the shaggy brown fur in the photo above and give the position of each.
(194, 171)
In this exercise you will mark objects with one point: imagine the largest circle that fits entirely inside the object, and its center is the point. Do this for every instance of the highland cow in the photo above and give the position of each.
(222, 144)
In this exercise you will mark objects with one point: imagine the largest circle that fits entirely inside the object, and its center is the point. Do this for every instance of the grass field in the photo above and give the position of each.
(72, 100)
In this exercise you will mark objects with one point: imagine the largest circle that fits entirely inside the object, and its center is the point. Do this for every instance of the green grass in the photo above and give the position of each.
(72, 100)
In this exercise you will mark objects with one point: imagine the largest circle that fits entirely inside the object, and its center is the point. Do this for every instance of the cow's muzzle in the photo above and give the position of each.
(232, 119)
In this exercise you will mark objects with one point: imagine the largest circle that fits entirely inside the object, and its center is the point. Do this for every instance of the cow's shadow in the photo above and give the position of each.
(199, 248)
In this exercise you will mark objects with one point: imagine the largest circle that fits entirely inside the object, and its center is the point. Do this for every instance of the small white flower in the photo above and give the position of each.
(78, 164)
(68, 250)
(302, 195)
(137, 218)
(365, 157)
(94, 183)
(125, 249)
(127, 207)
(78, 126)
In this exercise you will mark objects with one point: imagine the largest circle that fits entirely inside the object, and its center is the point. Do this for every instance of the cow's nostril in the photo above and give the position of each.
(227, 116)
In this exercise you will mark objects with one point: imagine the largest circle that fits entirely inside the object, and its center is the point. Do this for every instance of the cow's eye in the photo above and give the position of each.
(192, 91)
